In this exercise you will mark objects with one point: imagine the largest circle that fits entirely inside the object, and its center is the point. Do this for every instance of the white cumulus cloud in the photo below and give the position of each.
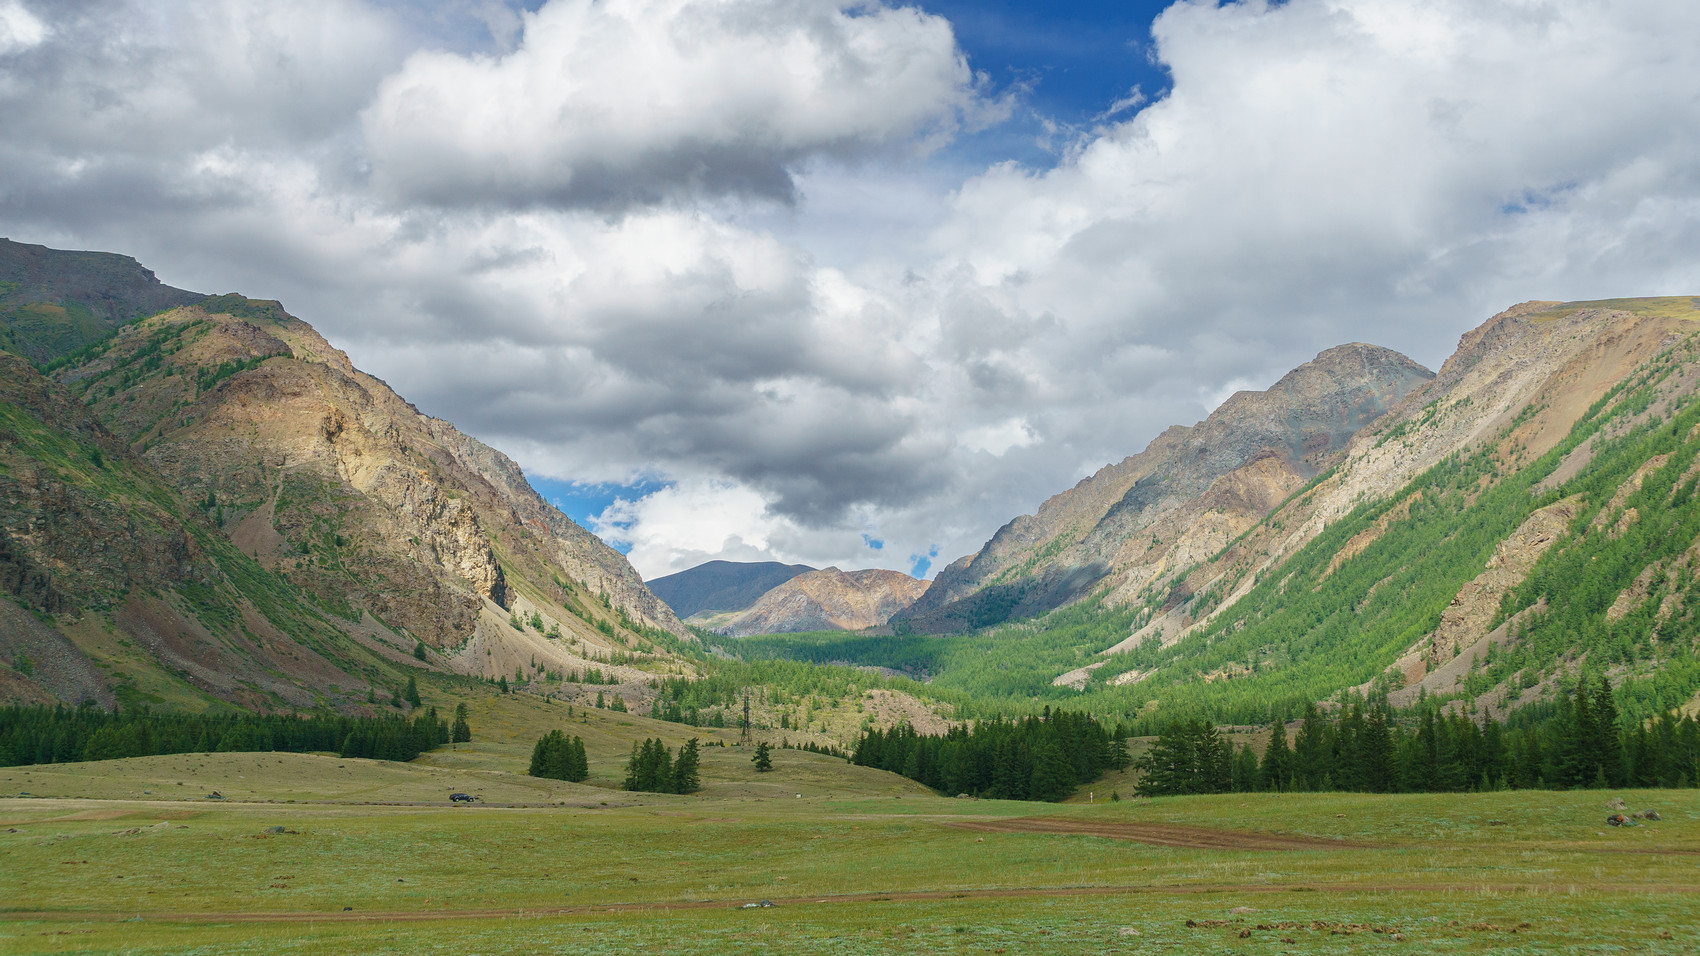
(615, 102)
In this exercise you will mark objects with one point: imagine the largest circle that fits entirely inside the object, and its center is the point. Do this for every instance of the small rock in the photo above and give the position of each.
(1399, 937)
(1649, 815)
(1616, 803)
(1496, 823)
(1245, 934)
(1242, 910)
(348, 909)
(1127, 931)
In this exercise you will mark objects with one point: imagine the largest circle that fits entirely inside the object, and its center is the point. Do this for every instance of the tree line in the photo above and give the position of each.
(1042, 757)
(652, 768)
(559, 758)
(38, 735)
(1369, 748)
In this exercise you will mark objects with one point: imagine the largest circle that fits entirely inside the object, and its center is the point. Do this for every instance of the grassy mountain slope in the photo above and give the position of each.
(1526, 515)
(53, 303)
(1188, 493)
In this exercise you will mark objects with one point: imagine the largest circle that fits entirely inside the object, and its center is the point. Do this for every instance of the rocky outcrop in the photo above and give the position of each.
(1191, 491)
(827, 600)
(722, 585)
(327, 476)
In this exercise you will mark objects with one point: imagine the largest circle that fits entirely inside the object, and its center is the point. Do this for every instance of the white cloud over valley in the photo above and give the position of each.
(728, 245)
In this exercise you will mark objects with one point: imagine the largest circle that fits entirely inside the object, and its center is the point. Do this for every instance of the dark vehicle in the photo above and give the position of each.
(462, 797)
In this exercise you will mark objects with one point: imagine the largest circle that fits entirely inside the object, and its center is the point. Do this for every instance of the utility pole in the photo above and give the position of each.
(744, 736)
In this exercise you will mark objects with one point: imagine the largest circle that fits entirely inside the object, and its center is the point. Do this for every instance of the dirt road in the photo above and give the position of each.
(1162, 834)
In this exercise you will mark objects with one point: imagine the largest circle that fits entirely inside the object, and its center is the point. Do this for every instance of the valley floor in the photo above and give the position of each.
(116, 857)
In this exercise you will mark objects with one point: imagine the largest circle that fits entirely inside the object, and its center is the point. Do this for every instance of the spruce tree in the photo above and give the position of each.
(578, 766)
(1607, 744)
(462, 732)
(419, 650)
(763, 758)
(1311, 750)
(411, 695)
(1246, 776)
(1052, 777)
(685, 776)
(1277, 770)
(1376, 751)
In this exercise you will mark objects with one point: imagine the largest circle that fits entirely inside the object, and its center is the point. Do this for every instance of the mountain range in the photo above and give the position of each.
(202, 501)
(213, 502)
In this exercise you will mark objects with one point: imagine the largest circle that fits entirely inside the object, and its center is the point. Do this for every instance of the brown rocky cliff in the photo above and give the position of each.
(330, 477)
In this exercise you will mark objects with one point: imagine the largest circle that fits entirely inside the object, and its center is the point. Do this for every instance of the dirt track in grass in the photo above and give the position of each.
(1162, 834)
(1201, 889)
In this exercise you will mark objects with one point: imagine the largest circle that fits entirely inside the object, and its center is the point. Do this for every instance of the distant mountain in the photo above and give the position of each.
(722, 585)
(1189, 493)
(214, 502)
(828, 600)
(53, 303)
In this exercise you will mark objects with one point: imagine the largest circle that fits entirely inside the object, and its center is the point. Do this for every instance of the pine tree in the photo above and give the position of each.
(411, 695)
(1376, 751)
(1052, 777)
(763, 759)
(1607, 744)
(1277, 769)
(462, 732)
(419, 650)
(685, 776)
(578, 766)
(1246, 776)
(1311, 750)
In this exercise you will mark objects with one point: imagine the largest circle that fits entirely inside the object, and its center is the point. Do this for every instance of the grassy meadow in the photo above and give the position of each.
(130, 856)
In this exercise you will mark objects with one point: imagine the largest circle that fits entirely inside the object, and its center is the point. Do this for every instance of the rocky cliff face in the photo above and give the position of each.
(827, 600)
(212, 502)
(325, 475)
(133, 596)
(1190, 492)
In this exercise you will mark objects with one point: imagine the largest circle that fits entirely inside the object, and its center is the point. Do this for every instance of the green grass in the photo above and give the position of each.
(861, 863)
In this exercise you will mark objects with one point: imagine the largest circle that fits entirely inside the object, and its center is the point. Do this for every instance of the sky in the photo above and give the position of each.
(854, 284)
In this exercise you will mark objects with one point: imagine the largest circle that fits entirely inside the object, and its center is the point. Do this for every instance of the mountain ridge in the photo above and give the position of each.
(722, 585)
(1193, 487)
(824, 600)
(298, 470)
